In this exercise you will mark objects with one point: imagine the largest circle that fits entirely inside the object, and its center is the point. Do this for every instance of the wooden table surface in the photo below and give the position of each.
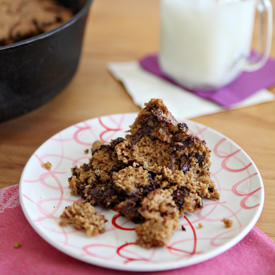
(118, 31)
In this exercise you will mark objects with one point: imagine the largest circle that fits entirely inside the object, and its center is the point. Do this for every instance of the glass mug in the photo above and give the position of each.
(206, 44)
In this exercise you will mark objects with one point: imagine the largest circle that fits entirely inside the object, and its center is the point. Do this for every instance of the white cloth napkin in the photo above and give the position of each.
(142, 86)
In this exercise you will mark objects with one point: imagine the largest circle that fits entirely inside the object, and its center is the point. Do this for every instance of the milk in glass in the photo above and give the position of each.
(204, 43)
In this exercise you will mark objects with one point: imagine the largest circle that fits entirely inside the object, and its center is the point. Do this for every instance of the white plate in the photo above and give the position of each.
(44, 194)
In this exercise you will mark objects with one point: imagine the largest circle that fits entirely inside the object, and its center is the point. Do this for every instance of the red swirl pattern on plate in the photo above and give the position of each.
(45, 193)
(121, 227)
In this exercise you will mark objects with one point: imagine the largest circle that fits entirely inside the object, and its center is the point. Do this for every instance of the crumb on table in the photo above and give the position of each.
(17, 245)
(227, 222)
(47, 165)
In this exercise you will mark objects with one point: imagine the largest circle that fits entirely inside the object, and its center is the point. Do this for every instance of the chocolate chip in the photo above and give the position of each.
(184, 163)
(74, 171)
(86, 167)
(211, 189)
(129, 209)
(182, 126)
(182, 143)
(116, 142)
(136, 138)
(179, 196)
(103, 194)
(200, 158)
(160, 116)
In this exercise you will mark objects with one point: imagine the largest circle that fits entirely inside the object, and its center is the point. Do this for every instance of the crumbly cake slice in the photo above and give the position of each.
(164, 149)
(156, 173)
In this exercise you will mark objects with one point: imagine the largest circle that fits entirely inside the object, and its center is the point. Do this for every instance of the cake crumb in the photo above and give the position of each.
(47, 165)
(200, 226)
(17, 245)
(161, 219)
(82, 215)
(86, 151)
(227, 222)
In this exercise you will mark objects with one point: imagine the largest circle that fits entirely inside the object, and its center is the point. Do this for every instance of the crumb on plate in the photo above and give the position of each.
(200, 226)
(47, 165)
(227, 222)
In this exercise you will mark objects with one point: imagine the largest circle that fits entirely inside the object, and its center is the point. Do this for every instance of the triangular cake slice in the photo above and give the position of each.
(158, 158)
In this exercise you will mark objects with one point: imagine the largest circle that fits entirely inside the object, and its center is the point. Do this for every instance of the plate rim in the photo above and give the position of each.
(153, 266)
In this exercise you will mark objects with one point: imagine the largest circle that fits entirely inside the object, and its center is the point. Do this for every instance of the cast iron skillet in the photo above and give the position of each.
(36, 69)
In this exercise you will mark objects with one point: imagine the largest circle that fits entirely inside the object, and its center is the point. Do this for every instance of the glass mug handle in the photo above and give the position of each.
(263, 6)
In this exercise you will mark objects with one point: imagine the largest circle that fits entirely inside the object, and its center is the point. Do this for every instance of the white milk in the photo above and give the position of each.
(203, 42)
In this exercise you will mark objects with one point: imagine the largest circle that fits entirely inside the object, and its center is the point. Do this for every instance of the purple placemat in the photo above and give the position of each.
(247, 84)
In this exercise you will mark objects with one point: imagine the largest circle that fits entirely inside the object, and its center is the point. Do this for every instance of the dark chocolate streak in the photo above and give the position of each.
(86, 167)
(185, 163)
(103, 194)
(116, 141)
(200, 158)
(129, 209)
(179, 196)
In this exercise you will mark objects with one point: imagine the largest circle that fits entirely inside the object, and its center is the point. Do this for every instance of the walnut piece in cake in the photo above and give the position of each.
(82, 215)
